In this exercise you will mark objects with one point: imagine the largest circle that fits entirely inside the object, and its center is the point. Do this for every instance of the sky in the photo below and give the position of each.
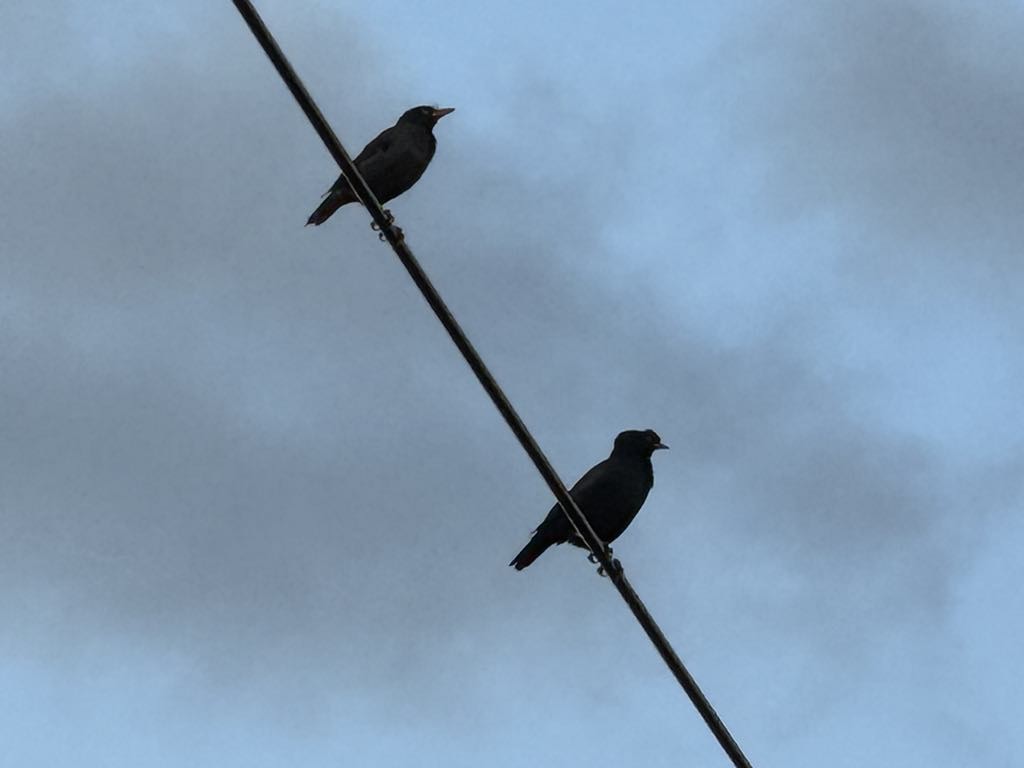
(255, 510)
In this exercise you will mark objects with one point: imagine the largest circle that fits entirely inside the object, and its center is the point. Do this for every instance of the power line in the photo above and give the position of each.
(395, 238)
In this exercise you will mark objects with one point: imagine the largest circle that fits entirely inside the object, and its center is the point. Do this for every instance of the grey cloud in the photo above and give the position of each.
(246, 444)
(892, 111)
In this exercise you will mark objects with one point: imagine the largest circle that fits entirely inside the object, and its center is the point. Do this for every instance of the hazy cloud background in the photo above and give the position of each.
(255, 511)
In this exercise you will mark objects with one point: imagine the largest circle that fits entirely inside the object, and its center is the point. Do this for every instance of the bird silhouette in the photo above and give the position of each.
(391, 163)
(610, 494)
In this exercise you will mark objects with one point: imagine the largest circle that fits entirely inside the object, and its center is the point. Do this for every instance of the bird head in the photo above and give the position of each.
(638, 442)
(425, 116)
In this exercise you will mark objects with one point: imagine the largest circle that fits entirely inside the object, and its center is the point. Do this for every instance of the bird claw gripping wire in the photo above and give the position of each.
(616, 565)
(380, 233)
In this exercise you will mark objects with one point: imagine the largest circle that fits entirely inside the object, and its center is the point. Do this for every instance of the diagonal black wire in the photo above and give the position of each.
(395, 238)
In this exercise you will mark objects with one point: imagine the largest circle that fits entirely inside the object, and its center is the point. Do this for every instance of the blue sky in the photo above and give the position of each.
(254, 510)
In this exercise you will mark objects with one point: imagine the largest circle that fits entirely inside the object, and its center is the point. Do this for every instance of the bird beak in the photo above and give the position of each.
(439, 113)
(660, 446)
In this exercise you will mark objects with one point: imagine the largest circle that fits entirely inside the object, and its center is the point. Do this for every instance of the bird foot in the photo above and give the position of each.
(387, 215)
(594, 559)
(391, 220)
(616, 565)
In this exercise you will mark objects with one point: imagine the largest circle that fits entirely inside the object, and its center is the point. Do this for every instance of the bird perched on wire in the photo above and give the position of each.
(609, 495)
(391, 163)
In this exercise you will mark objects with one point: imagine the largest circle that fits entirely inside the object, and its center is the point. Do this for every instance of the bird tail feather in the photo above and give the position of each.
(534, 548)
(323, 212)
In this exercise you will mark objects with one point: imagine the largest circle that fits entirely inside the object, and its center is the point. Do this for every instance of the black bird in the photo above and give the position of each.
(609, 496)
(391, 163)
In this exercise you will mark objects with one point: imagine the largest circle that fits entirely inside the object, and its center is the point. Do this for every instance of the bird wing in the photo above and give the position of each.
(373, 153)
(592, 485)
(376, 149)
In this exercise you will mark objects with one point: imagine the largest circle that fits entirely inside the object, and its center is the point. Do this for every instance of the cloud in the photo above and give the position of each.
(247, 448)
